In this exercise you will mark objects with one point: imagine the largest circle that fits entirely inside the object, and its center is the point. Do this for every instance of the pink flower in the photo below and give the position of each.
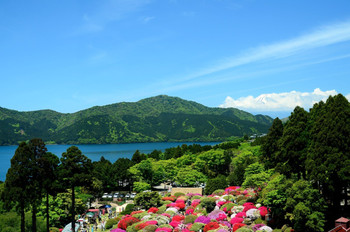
(241, 215)
(236, 220)
(174, 224)
(165, 229)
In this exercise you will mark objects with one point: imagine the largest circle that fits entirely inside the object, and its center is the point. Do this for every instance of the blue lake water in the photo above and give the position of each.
(110, 152)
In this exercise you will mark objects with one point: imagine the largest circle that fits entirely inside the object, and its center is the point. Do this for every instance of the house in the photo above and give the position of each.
(341, 225)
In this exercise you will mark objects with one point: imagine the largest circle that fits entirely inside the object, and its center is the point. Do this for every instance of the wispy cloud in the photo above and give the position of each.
(286, 101)
(148, 19)
(311, 42)
(323, 36)
(110, 11)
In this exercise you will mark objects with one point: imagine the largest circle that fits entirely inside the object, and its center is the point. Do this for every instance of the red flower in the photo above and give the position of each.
(168, 199)
(136, 212)
(128, 221)
(179, 217)
(211, 226)
(153, 210)
(237, 226)
(263, 211)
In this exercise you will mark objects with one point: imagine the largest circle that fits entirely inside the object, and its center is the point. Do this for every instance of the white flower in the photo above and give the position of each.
(265, 229)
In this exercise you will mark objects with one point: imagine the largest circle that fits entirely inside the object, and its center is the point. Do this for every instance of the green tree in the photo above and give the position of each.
(328, 158)
(305, 207)
(137, 157)
(38, 173)
(147, 200)
(17, 180)
(103, 171)
(48, 169)
(120, 171)
(294, 144)
(271, 149)
(190, 177)
(238, 166)
(216, 183)
(141, 186)
(75, 170)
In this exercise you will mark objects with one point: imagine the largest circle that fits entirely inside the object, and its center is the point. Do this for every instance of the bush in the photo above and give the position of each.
(141, 186)
(162, 209)
(208, 203)
(128, 209)
(179, 194)
(197, 226)
(148, 199)
(216, 183)
(190, 219)
(54, 229)
(111, 222)
(244, 229)
(150, 228)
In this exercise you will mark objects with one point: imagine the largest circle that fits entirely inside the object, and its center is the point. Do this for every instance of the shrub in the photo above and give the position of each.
(54, 229)
(244, 229)
(147, 199)
(190, 219)
(208, 203)
(140, 215)
(141, 186)
(111, 222)
(162, 209)
(150, 228)
(196, 197)
(179, 194)
(128, 209)
(197, 226)
(219, 192)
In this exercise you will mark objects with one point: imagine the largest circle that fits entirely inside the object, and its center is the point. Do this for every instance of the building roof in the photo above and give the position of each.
(342, 220)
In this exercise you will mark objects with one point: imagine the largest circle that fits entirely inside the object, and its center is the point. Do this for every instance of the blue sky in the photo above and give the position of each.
(259, 56)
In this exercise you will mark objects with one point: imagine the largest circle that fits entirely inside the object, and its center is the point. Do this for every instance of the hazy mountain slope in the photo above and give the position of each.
(160, 118)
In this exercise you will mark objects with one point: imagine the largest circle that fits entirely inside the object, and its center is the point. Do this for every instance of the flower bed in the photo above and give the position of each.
(233, 210)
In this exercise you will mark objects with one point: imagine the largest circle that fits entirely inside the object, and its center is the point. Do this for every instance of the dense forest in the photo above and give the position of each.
(156, 119)
(299, 170)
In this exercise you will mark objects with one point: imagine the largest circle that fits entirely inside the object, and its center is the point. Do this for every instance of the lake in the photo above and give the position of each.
(111, 152)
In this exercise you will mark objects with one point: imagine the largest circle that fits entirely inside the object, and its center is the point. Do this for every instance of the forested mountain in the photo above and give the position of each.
(160, 118)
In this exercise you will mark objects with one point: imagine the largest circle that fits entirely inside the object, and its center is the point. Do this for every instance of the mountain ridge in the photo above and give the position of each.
(154, 119)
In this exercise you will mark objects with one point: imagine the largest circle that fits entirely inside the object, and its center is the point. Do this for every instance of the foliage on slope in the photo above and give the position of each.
(160, 118)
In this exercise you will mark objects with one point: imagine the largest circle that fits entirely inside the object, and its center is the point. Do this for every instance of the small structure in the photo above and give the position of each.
(341, 225)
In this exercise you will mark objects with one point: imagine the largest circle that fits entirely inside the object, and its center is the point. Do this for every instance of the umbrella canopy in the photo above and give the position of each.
(90, 214)
(68, 227)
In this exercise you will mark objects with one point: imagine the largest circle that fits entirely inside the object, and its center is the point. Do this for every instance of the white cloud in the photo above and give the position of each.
(280, 101)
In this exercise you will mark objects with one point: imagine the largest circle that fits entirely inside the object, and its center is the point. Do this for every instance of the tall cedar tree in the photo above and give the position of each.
(328, 159)
(75, 170)
(294, 144)
(17, 181)
(270, 149)
(48, 169)
(37, 178)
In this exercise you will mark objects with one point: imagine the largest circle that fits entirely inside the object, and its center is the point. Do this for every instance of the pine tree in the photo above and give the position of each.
(294, 144)
(328, 159)
(270, 149)
(75, 171)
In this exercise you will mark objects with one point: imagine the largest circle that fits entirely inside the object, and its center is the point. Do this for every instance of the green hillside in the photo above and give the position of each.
(154, 119)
